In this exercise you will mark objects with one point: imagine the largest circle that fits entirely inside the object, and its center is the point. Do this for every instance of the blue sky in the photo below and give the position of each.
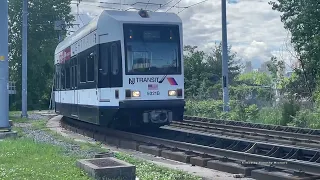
(254, 29)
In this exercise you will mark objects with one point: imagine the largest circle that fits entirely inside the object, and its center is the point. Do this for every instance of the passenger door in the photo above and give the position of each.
(104, 71)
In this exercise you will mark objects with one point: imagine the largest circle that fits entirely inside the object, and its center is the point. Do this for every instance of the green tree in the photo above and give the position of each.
(203, 70)
(254, 79)
(253, 87)
(302, 19)
(215, 63)
(195, 70)
(276, 67)
(42, 41)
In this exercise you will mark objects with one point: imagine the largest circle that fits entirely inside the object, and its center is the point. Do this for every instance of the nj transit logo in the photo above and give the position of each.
(171, 80)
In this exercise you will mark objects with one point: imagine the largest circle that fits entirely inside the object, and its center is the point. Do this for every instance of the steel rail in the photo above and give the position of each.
(256, 129)
(257, 125)
(194, 125)
(251, 137)
(311, 167)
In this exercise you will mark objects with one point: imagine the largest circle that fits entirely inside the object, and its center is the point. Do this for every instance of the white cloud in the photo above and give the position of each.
(255, 49)
(254, 29)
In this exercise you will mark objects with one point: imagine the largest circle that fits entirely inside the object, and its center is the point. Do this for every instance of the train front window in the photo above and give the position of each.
(152, 49)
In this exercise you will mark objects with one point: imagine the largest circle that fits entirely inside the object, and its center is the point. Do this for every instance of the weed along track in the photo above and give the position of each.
(256, 160)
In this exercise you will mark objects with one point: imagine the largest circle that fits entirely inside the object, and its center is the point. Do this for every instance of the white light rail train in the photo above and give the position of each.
(124, 69)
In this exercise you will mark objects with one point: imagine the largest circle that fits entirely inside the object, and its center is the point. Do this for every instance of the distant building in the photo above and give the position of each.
(264, 68)
(248, 67)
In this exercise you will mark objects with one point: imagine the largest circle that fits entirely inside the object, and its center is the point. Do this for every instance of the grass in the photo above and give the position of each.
(24, 159)
(150, 171)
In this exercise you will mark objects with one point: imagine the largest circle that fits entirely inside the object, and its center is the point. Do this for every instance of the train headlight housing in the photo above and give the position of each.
(135, 93)
(179, 92)
(172, 93)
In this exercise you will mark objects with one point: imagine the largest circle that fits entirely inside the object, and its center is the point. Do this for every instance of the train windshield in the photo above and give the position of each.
(152, 49)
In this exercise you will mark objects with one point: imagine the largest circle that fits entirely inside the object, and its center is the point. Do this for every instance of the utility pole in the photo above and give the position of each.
(24, 59)
(4, 67)
(224, 57)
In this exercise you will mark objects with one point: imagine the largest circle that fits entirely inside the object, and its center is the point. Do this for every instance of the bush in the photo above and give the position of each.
(206, 108)
(252, 112)
(286, 114)
(214, 109)
(289, 111)
(307, 118)
(270, 115)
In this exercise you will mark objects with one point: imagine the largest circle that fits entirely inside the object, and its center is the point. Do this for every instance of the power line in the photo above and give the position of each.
(163, 5)
(147, 4)
(126, 4)
(132, 4)
(192, 5)
(78, 12)
(173, 6)
(132, 8)
(109, 8)
(103, 7)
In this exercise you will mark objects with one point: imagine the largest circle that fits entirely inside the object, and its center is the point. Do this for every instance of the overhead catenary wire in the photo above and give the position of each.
(127, 4)
(147, 4)
(192, 5)
(163, 5)
(78, 13)
(138, 2)
(173, 5)
(132, 4)
(95, 5)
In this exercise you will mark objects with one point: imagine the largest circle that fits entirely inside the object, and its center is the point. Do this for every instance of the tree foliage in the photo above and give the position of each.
(42, 40)
(302, 19)
(203, 71)
(253, 88)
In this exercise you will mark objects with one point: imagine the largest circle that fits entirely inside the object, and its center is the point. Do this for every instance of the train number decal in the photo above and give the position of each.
(153, 93)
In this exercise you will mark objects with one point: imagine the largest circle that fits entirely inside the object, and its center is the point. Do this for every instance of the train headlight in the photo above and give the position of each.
(172, 93)
(135, 93)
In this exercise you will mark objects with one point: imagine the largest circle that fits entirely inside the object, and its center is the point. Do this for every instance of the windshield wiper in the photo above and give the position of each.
(162, 79)
(166, 74)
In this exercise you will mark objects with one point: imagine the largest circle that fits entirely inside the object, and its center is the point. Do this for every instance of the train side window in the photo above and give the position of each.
(114, 59)
(75, 73)
(68, 75)
(72, 76)
(56, 79)
(90, 67)
(63, 78)
(58, 76)
(104, 59)
(83, 69)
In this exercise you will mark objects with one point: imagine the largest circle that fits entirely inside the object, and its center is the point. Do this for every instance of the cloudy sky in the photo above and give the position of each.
(255, 31)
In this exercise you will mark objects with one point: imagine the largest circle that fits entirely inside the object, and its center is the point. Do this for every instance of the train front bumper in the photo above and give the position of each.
(152, 104)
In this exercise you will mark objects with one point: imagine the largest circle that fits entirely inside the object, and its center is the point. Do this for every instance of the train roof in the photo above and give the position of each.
(121, 16)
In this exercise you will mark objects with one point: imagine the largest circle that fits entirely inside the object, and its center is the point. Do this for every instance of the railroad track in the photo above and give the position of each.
(262, 135)
(257, 160)
(305, 133)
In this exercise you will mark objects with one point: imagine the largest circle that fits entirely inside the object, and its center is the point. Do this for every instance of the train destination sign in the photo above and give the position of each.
(65, 55)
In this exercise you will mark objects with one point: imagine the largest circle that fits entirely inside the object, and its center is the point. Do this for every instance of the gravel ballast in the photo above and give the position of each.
(45, 137)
